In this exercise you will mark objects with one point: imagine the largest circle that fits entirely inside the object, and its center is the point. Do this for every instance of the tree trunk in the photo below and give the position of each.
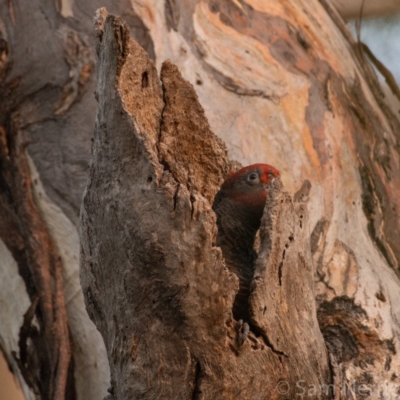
(280, 82)
(148, 232)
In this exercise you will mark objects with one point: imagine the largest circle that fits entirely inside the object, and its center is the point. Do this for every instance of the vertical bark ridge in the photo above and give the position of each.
(46, 361)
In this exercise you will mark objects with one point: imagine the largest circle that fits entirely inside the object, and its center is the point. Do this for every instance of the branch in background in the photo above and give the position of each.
(389, 78)
(350, 8)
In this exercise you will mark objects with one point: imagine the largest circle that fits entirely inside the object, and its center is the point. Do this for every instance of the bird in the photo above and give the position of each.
(239, 206)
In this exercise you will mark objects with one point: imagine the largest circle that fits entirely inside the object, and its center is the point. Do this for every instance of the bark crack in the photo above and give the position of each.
(196, 381)
(280, 267)
(260, 332)
(269, 344)
(176, 195)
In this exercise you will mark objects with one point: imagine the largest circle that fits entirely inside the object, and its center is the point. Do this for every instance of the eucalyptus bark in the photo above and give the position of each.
(280, 82)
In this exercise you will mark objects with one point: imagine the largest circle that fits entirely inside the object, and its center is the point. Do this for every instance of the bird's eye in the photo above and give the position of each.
(253, 177)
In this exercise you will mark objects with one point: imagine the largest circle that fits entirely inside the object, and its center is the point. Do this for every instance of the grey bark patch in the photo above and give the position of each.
(57, 107)
(172, 14)
(341, 342)
(302, 194)
(349, 337)
(318, 233)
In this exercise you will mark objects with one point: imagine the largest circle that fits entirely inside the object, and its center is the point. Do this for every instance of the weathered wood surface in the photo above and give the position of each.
(280, 82)
(148, 232)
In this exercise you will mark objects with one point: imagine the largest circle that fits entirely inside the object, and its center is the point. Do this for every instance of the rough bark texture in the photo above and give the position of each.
(148, 232)
(280, 82)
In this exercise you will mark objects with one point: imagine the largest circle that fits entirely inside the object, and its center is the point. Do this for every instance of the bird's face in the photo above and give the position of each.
(249, 186)
(253, 179)
(239, 204)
